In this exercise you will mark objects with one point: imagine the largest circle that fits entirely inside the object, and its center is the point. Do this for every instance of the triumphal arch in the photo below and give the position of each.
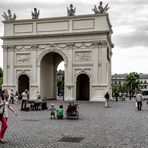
(33, 48)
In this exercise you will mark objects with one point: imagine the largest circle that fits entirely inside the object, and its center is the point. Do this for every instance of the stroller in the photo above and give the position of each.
(72, 111)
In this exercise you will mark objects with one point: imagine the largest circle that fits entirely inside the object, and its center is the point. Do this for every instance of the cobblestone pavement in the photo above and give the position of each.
(120, 126)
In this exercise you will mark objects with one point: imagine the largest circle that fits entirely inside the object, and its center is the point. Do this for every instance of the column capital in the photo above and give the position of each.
(34, 46)
(8, 47)
(100, 43)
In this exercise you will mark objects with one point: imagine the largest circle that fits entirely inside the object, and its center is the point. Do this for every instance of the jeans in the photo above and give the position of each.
(3, 127)
(139, 104)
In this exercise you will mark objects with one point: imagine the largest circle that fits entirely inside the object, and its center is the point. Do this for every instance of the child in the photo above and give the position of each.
(52, 111)
(60, 112)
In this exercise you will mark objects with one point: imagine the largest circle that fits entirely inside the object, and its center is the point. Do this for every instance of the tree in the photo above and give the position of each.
(60, 85)
(132, 82)
(114, 88)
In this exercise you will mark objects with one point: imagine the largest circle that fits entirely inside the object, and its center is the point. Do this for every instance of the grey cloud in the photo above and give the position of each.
(134, 39)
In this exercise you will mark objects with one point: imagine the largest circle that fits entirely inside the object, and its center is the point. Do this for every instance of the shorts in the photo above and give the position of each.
(52, 114)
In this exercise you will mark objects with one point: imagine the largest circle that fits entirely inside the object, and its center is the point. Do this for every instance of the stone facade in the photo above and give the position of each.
(33, 49)
(119, 79)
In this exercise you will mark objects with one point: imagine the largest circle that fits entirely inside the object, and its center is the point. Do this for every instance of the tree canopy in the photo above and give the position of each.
(132, 81)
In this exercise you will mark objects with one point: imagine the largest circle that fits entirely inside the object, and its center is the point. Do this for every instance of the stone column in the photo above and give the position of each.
(11, 66)
(95, 62)
(34, 64)
(5, 55)
(33, 83)
(69, 74)
(103, 62)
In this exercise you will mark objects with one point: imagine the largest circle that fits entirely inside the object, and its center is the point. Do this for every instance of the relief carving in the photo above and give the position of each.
(83, 45)
(20, 72)
(45, 49)
(23, 59)
(23, 48)
(82, 56)
(86, 71)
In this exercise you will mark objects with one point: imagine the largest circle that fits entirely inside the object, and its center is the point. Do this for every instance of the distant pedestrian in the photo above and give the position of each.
(17, 95)
(24, 99)
(52, 111)
(11, 97)
(106, 96)
(116, 96)
(4, 106)
(139, 100)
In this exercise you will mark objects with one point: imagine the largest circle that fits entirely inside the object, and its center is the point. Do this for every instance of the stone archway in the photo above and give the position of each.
(81, 41)
(23, 83)
(82, 87)
(48, 75)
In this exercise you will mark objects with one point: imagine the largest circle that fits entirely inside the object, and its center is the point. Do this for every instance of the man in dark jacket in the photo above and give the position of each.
(106, 96)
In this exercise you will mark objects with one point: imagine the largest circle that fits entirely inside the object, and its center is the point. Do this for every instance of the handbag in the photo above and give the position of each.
(136, 105)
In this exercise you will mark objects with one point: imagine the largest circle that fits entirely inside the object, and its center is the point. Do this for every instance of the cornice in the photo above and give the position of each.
(59, 35)
(55, 18)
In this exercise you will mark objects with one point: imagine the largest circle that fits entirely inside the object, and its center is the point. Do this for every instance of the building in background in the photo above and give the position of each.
(119, 79)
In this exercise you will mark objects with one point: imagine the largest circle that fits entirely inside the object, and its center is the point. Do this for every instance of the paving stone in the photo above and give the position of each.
(120, 126)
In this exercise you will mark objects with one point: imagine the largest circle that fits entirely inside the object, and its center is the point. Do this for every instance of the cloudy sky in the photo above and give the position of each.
(129, 19)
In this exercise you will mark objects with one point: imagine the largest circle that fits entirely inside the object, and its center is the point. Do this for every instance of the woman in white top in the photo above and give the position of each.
(4, 106)
(24, 99)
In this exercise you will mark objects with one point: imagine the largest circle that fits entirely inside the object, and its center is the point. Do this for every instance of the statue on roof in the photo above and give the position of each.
(9, 17)
(71, 10)
(100, 8)
(35, 14)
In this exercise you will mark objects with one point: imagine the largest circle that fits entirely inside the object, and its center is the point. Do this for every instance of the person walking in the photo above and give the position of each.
(4, 106)
(106, 96)
(17, 95)
(11, 97)
(139, 100)
(24, 99)
(116, 95)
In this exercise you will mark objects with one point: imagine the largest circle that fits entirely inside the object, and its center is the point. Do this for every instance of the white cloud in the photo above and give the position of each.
(130, 59)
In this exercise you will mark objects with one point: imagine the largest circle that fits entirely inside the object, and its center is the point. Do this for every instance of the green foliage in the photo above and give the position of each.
(1, 72)
(132, 82)
(60, 83)
(130, 85)
(114, 88)
(119, 88)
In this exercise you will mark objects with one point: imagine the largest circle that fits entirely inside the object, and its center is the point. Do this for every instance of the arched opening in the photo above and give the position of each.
(60, 79)
(82, 87)
(23, 83)
(48, 75)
